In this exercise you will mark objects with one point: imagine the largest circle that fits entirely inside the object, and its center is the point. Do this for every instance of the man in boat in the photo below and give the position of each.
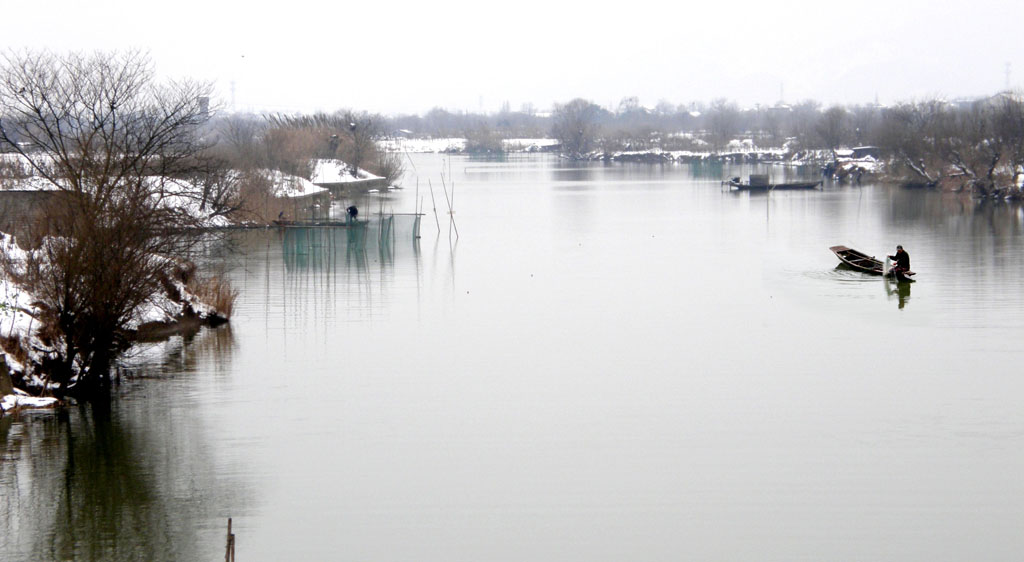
(902, 259)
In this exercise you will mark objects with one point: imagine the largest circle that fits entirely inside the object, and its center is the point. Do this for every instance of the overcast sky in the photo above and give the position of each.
(396, 57)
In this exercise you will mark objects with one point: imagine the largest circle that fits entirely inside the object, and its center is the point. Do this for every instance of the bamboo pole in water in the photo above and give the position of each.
(229, 552)
(434, 203)
(451, 213)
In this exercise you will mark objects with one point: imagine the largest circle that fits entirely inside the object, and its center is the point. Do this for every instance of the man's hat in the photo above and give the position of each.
(898, 247)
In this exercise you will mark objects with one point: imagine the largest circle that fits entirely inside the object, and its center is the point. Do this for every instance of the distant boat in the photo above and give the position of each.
(760, 182)
(868, 264)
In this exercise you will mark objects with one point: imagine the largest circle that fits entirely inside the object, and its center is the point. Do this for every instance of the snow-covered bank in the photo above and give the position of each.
(212, 206)
(19, 401)
(333, 172)
(27, 344)
(657, 155)
(440, 145)
(456, 145)
(289, 186)
(846, 163)
(735, 150)
(529, 145)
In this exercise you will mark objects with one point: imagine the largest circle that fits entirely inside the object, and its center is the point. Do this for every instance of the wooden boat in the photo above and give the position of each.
(867, 264)
(761, 183)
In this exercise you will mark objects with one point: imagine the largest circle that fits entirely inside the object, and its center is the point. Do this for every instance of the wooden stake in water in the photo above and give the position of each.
(229, 554)
(434, 203)
(451, 213)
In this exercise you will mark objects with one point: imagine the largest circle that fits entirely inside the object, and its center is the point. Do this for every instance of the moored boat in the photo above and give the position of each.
(867, 264)
(760, 182)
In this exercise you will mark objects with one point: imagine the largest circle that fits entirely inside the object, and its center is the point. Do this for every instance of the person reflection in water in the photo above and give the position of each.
(902, 294)
(900, 290)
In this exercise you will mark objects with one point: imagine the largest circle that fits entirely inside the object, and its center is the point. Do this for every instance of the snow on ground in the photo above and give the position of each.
(457, 144)
(287, 185)
(12, 402)
(181, 194)
(176, 193)
(18, 315)
(34, 183)
(160, 308)
(336, 171)
(423, 145)
(857, 165)
(19, 161)
(528, 145)
(738, 144)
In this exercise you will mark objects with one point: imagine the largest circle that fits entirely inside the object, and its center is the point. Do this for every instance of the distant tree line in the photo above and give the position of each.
(976, 145)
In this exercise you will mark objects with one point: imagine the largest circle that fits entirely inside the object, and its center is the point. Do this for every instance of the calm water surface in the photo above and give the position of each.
(608, 363)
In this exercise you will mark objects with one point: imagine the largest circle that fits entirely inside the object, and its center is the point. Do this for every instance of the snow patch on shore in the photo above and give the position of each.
(453, 144)
(528, 145)
(12, 402)
(287, 185)
(336, 171)
(457, 144)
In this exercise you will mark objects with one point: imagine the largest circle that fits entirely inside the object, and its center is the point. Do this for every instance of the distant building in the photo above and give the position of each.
(988, 101)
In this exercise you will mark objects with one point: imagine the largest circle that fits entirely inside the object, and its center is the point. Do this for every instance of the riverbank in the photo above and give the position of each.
(457, 145)
(18, 401)
(735, 151)
(29, 345)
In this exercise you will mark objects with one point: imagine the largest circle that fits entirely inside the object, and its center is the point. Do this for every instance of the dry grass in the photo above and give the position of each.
(389, 166)
(12, 345)
(215, 291)
(259, 203)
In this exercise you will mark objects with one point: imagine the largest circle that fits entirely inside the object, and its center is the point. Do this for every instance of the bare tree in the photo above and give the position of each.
(910, 133)
(801, 121)
(830, 128)
(362, 130)
(864, 122)
(723, 121)
(1009, 125)
(118, 147)
(481, 139)
(575, 126)
(239, 137)
(965, 140)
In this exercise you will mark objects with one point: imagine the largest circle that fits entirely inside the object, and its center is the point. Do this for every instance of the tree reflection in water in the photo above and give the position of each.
(127, 480)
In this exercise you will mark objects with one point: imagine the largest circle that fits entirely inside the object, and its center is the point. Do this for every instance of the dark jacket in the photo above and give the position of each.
(902, 259)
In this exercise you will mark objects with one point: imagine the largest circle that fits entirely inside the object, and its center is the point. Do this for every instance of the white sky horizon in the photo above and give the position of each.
(409, 57)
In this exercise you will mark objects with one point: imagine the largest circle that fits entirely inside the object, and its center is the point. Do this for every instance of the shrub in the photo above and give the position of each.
(215, 291)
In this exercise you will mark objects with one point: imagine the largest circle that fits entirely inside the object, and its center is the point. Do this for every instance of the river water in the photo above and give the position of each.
(606, 362)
